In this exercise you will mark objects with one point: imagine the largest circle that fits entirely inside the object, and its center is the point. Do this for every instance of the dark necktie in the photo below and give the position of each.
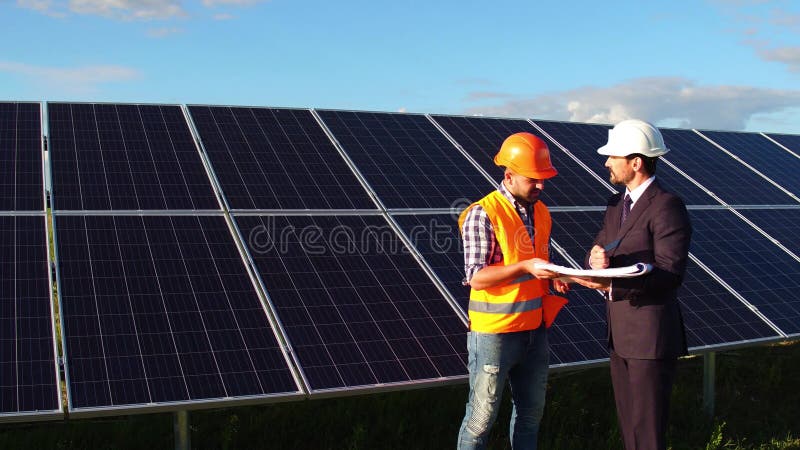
(626, 208)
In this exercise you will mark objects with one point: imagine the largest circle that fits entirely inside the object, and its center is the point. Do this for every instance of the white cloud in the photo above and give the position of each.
(114, 9)
(664, 100)
(786, 55)
(47, 7)
(73, 80)
(129, 9)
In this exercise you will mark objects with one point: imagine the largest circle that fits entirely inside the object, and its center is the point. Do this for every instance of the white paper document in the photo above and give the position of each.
(616, 272)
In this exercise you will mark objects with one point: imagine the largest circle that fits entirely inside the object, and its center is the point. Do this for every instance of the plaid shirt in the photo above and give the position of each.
(480, 243)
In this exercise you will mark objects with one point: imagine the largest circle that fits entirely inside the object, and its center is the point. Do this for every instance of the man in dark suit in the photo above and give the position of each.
(645, 328)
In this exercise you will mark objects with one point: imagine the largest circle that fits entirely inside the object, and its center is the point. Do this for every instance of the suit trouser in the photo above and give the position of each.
(642, 389)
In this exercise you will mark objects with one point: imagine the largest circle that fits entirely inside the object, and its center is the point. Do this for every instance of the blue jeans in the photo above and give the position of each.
(521, 357)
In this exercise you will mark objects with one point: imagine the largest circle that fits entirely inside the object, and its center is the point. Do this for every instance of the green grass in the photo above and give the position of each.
(757, 407)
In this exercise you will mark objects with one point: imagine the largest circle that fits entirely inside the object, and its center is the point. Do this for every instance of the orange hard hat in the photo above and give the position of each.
(526, 155)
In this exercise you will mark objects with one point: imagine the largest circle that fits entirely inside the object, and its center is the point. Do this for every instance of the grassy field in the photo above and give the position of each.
(757, 407)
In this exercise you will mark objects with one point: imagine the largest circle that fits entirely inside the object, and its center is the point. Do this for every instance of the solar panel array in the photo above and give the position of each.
(215, 255)
(157, 304)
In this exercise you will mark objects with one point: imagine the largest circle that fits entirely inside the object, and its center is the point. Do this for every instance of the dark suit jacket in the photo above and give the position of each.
(644, 317)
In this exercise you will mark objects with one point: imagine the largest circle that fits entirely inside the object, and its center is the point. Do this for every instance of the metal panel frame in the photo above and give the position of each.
(212, 174)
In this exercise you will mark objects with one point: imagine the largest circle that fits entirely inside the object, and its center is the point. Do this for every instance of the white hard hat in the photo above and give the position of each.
(634, 136)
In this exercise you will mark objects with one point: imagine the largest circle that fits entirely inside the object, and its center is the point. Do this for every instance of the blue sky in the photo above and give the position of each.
(717, 64)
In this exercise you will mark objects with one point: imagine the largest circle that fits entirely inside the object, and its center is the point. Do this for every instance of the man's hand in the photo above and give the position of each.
(560, 286)
(539, 273)
(598, 258)
(602, 284)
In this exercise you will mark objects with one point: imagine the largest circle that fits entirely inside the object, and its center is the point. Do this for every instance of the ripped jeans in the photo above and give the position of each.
(522, 358)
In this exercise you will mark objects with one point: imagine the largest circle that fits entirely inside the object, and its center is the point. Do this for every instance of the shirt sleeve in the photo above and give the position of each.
(479, 241)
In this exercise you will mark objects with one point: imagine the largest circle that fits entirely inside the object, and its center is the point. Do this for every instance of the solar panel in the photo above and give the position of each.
(578, 336)
(724, 176)
(125, 157)
(406, 159)
(790, 141)
(762, 273)
(357, 308)
(28, 380)
(21, 181)
(712, 315)
(482, 137)
(160, 309)
(580, 139)
(762, 154)
(268, 158)
(781, 224)
(437, 238)
(583, 140)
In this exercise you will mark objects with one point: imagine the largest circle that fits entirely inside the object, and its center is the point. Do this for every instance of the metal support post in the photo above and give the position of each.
(709, 374)
(180, 427)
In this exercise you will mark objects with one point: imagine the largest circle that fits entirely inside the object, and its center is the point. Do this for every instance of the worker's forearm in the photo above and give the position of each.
(491, 276)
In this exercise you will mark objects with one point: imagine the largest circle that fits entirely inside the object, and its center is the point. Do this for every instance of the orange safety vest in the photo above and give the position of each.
(520, 304)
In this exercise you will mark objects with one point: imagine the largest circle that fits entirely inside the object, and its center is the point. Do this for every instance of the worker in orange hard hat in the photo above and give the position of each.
(510, 307)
